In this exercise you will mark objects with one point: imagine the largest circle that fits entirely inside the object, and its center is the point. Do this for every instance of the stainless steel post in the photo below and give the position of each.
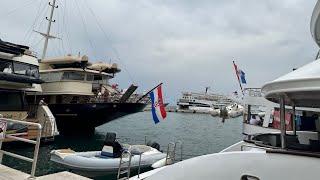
(247, 120)
(36, 152)
(1, 154)
(294, 128)
(282, 122)
(139, 164)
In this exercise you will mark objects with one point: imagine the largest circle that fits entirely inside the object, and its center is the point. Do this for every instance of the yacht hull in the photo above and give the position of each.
(83, 118)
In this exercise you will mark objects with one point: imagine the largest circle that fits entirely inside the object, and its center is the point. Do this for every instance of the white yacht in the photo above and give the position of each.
(276, 155)
(19, 74)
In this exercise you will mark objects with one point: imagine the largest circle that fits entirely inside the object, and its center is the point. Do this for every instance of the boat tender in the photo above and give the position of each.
(106, 161)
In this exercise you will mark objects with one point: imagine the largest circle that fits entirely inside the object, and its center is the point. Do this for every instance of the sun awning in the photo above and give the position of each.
(315, 23)
(301, 87)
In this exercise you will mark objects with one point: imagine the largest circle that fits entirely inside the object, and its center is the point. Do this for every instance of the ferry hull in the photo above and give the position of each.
(83, 118)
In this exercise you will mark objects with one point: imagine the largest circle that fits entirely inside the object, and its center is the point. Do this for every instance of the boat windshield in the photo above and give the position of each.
(19, 68)
(73, 76)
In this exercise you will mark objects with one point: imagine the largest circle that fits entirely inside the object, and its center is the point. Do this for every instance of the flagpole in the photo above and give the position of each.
(146, 94)
(236, 70)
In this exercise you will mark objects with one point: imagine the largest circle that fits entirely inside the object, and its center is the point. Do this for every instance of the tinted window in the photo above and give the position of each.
(10, 101)
(73, 76)
(51, 76)
(6, 66)
(97, 77)
(34, 71)
(20, 68)
(89, 77)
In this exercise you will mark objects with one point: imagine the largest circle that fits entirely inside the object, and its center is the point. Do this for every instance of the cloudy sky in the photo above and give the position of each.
(186, 44)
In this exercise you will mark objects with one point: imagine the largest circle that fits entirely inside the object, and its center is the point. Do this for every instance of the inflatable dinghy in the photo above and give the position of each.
(98, 163)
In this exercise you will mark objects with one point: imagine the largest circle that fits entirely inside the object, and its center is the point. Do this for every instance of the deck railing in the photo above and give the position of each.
(253, 92)
(35, 142)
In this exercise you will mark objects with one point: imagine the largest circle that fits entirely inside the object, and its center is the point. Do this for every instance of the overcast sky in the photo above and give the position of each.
(186, 44)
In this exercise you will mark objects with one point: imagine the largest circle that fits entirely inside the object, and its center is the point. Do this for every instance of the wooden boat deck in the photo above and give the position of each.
(9, 173)
(30, 134)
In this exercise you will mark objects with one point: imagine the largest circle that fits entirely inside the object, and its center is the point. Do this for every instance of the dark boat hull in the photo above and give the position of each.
(83, 118)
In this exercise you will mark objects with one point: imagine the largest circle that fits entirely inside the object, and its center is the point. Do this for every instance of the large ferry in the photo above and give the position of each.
(202, 102)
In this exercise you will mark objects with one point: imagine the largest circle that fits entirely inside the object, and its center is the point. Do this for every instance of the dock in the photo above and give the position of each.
(9, 173)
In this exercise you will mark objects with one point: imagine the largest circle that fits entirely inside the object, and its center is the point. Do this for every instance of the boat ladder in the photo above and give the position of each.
(171, 152)
(124, 165)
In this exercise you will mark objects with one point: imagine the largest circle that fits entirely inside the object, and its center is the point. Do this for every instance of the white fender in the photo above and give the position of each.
(161, 163)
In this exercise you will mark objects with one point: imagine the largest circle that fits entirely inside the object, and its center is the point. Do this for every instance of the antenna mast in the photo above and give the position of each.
(47, 36)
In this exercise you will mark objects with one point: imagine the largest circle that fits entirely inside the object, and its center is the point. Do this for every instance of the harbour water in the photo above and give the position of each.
(200, 134)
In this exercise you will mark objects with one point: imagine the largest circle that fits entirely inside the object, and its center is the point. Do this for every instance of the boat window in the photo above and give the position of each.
(51, 76)
(10, 101)
(6, 66)
(248, 177)
(97, 77)
(89, 77)
(34, 71)
(73, 76)
(20, 68)
(105, 79)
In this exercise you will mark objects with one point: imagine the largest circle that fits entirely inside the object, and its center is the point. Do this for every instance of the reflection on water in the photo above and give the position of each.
(200, 134)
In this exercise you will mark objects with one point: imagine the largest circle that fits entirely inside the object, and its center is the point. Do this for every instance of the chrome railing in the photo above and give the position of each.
(252, 146)
(253, 92)
(35, 142)
(124, 166)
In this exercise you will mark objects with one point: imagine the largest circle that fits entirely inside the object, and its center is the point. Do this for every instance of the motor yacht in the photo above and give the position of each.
(80, 96)
(19, 74)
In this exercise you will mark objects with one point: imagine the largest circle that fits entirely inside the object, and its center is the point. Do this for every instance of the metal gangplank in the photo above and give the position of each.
(35, 142)
(124, 165)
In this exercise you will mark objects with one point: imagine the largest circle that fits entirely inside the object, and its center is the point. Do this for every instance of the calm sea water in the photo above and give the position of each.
(200, 134)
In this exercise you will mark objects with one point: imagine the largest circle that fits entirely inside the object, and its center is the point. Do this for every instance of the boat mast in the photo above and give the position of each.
(47, 36)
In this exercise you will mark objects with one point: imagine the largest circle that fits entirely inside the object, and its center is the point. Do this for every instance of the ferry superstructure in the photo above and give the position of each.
(202, 101)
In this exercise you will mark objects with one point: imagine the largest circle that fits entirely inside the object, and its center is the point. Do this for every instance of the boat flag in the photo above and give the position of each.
(157, 106)
(240, 75)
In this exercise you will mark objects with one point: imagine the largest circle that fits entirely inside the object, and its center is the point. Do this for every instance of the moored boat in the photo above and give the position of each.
(81, 98)
(107, 161)
(19, 74)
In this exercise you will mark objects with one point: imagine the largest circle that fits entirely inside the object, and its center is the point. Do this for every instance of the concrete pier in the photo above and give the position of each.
(9, 173)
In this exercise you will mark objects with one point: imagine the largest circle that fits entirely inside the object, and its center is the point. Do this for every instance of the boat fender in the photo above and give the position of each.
(154, 144)
(159, 164)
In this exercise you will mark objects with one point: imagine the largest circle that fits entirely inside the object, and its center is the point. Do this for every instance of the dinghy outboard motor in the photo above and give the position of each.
(111, 148)
(154, 144)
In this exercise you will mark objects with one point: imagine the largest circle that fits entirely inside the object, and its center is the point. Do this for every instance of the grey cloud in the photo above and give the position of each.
(186, 44)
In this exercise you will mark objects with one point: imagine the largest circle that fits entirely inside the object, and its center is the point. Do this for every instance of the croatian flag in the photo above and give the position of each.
(157, 106)
(240, 74)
